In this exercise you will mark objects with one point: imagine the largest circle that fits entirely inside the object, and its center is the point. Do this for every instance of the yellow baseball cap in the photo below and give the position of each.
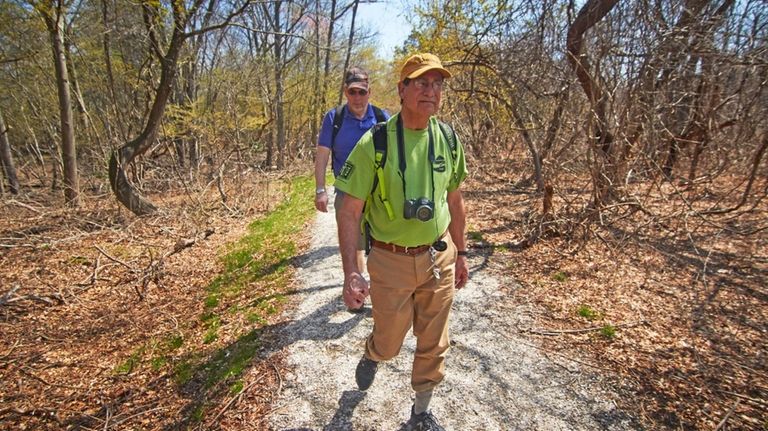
(418, 64)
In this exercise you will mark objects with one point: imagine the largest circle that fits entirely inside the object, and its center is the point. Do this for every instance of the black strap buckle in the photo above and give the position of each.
(440, 245)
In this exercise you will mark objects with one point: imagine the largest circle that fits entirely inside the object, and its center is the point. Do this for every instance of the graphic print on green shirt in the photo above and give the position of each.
(346, 170)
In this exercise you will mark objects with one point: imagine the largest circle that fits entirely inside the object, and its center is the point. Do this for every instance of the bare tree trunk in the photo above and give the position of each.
(555, 122)
(349, 48)
(328, 42)
(604, 172)
(190, 87)
(7, 159)
(756, 160)
(125, 192)
(316, 107)
(279, 102)
(535, 155)
(54, 20)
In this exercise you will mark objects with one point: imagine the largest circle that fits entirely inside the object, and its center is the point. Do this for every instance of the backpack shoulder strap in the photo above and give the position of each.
(380, 118)
(450, 135)
(379, 132)
(338, 118)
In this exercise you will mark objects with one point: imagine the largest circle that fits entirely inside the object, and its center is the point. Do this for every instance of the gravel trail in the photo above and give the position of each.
(496, 378)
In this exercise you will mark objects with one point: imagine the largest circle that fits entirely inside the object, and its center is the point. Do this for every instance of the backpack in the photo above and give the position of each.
(338, 118)
(379, 132)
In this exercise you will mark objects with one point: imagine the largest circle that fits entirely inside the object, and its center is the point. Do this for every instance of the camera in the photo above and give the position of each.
(421, 208)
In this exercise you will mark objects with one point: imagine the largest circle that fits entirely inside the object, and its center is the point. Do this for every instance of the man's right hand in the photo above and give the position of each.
(321, 201)
(355, 290)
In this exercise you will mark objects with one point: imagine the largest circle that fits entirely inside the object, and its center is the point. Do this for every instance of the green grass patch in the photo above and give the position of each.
(212, 300)
(236, 387)
(158, 362)
(133, 361)
(156, 350)
(260, 260)
(265, 252)
(183, 372)
(232, 361)
(560, 276)
(79, 260)
(198, 414)
(608, 331)
(588, 313)
(475, 236)
(213, 323)
(174, 342)
(255, 317)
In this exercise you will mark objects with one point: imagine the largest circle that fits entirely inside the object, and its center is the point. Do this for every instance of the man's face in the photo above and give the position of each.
(357, 98)
(422, 95)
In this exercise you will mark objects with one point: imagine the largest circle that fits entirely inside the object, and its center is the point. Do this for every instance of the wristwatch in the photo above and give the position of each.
(319, 190)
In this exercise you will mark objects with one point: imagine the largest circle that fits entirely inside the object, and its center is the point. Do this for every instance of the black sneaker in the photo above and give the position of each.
(423, 422)
(365, 372)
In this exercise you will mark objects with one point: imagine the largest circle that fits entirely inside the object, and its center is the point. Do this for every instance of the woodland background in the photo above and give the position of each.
(617, 151)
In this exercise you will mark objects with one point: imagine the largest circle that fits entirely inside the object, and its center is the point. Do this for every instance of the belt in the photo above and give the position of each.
(394, 248)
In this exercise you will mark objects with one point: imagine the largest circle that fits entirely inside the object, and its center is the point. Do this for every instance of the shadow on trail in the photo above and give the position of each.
(211, 381)
(342, 420)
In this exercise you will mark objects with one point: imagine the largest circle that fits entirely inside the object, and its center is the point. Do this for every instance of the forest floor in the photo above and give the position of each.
(109, 321)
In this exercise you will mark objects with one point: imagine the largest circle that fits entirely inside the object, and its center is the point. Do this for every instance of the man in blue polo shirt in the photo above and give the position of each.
(342, 128)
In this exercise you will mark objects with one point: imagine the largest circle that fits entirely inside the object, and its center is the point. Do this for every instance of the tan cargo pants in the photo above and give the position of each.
(405, 293)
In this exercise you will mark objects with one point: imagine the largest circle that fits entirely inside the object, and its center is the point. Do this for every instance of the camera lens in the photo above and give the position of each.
(424, 213)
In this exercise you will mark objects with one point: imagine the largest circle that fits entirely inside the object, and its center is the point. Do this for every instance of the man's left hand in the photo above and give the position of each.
(462, 273)
(355, 290)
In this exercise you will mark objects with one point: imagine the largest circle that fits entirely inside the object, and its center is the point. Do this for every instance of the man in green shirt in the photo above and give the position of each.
(416, 219)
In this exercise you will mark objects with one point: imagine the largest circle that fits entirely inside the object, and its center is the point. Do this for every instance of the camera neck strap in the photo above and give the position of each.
(401, 154)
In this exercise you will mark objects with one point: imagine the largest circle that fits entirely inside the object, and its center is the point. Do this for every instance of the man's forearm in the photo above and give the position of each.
(321, 164)
(458, 219)
(349, 232)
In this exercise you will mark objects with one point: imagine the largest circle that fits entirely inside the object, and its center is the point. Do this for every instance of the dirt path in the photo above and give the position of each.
(496, 379)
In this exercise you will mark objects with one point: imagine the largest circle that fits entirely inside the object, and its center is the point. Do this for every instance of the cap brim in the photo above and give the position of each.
(358, 84)
(418, 72)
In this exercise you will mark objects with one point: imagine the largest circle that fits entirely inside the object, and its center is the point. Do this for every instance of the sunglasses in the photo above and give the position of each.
(357, 92)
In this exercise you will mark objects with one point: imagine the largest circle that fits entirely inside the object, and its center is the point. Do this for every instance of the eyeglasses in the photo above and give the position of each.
(422, 84)
(357, 92)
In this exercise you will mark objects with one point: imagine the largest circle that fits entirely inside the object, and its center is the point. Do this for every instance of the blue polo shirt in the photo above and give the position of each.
(350, 132)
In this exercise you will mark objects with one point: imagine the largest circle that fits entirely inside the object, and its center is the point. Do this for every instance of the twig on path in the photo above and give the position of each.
(279, 379)
(23, 205)
(568, 357)
(579, 331)
(113, 259)
(6, 298)
(127, 418)
(34, 412)
(94, 275)
(9, 297)
(233, 399)
(727, 415)
(16, 344)
(15, 246)
(759, 402)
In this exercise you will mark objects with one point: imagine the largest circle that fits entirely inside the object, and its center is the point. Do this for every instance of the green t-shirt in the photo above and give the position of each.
(356, 179)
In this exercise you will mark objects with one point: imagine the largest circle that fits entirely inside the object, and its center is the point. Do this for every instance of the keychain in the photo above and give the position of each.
(435, 269)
